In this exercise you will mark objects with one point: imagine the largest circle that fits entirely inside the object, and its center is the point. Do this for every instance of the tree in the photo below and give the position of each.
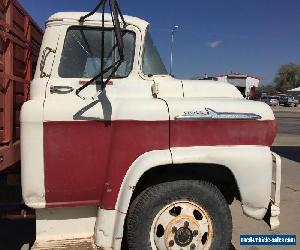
(265, 90)
(288, 77)
(259, 92)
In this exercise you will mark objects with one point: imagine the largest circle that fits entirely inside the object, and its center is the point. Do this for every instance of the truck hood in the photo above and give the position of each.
(207, 97)
(208, 88)
(171, 87)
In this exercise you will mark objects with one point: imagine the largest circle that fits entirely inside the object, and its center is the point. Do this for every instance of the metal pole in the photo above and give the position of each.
(171, 57)
(174, 29)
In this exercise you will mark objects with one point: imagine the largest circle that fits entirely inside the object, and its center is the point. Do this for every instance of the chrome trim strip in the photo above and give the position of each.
(214, 115)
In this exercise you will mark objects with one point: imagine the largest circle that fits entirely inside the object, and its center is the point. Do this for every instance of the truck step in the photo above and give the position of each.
(74, 244)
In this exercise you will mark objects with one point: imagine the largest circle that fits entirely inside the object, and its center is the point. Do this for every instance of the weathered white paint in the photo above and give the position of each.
(250, 165)
(168, 86)
(51, 39)
(107, 109)
(207, 89)
(108, 231)
(245, 162)
(32, 118)
(68, 17)
(171, 87)
(32, 154)
(65, 223)
(137, 169)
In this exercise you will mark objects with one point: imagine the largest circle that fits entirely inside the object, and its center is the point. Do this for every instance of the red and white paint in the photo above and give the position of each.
(84, 153)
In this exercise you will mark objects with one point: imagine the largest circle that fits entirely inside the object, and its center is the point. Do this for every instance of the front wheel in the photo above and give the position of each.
(179, 215)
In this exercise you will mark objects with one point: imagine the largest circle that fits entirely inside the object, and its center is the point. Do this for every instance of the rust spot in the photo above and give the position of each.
(74, 244)
(82, 82)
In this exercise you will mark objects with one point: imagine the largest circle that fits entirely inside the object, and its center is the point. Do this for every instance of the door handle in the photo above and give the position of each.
(60, 89)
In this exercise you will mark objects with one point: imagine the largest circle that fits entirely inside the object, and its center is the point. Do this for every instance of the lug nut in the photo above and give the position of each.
(195, 233)
(186, 224)
(193, 246)
(174, 230)
(171, 243)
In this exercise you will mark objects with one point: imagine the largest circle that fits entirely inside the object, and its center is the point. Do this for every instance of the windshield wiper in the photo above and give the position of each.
(115, 14)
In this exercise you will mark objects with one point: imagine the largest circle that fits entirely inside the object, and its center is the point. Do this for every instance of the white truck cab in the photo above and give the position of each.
(147, 157)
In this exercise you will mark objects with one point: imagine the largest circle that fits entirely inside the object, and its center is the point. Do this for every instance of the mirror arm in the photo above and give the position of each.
(115, 13)
(102, 2)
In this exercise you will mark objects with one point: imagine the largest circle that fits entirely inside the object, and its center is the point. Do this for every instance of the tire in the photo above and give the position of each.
(159, 216)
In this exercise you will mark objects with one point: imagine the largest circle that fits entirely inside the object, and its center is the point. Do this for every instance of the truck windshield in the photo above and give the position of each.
(81, 55)
(152, 63)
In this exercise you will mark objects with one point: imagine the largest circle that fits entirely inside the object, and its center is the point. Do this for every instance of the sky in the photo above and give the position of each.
(214, 37)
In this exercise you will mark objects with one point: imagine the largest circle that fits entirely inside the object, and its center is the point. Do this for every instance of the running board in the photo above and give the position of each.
(74, 244)
(58, 227)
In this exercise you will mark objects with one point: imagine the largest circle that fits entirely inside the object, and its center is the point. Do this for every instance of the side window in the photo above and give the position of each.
(152, 63)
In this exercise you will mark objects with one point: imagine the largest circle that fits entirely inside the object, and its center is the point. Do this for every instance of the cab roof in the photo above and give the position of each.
(75, 16)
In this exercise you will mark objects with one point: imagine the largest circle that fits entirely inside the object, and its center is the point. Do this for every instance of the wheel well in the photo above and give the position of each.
(218, 175)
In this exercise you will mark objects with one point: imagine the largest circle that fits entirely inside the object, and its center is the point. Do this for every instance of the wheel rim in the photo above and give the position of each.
(181, 225)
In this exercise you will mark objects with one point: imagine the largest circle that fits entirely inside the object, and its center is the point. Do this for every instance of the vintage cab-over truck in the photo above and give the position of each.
(147, 159)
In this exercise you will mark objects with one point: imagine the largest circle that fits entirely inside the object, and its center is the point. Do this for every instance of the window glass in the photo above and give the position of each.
(81, 55)
(152, 63)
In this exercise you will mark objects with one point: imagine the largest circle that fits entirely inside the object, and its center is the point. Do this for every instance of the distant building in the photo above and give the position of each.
(246, 84)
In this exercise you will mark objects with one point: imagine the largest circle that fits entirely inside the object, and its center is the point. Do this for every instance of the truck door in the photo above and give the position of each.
(89, 143)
